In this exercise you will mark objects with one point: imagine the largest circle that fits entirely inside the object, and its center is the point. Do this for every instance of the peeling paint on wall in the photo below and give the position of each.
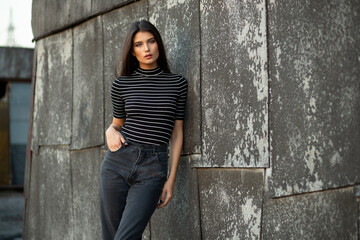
(316, 114)
(235, 84)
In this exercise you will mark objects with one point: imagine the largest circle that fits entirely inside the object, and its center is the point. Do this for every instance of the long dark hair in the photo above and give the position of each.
(128, 62)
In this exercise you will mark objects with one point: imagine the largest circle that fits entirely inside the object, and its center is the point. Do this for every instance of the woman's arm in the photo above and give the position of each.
(114, 138)
(176, 147)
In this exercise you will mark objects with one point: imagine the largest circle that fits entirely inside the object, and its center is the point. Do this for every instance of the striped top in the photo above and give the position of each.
(151, 101)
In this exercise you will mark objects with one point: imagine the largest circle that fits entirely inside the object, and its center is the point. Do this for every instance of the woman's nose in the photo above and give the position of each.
(146, 47)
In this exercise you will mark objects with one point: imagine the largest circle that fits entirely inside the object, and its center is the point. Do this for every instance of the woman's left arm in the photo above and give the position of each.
(176, 147)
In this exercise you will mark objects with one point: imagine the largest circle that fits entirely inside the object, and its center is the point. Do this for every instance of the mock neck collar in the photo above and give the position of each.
(149, 72)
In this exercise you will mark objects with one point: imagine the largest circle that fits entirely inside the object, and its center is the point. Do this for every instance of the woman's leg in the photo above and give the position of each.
(113, 193)
(141, 203)
(144, 194)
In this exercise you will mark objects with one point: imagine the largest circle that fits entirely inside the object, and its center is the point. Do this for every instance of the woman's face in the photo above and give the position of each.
(145, 49)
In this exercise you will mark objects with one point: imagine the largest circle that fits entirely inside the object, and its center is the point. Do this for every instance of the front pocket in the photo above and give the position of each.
(163, 158)
(118, 150)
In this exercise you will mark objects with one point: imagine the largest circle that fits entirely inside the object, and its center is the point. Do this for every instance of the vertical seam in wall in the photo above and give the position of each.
(72, 198)
(262, 206)
(269, 119)
(103, 76)
(201, 135)
(268, 77)
(200, 79)
(198, 191)
(72, 86)
(71, 134)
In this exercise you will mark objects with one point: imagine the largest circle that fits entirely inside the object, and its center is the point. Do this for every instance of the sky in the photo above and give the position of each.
(21, 16)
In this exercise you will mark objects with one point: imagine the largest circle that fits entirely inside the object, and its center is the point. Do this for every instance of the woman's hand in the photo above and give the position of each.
(167, 193)
(114, 138)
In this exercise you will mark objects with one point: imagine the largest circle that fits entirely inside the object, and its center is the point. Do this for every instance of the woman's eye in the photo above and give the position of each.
(152, 41)
(137, 44)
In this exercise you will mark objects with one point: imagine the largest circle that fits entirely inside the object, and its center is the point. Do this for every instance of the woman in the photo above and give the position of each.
(148, 110)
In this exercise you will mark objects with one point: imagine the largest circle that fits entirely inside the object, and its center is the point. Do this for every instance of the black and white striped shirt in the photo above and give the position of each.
(151, 101)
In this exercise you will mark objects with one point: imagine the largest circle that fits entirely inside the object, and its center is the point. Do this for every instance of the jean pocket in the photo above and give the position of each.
(117, 150)
(162, 158)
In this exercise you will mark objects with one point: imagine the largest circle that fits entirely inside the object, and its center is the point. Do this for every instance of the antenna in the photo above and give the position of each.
(11, 29)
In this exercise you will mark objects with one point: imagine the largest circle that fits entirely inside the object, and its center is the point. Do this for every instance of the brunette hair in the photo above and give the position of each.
(128, 62)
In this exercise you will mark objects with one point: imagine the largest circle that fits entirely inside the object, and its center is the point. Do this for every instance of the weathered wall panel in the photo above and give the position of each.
(230, 203)
(114, 36)
(85, 174)
(38, 17)
(53, 91)
(234, 84)
(321, 215)
(315, 107)
(79, 10)
(180, 219)
(181, 35)
(49, 207)
(99, 5)
(51, 15)
(88, 95)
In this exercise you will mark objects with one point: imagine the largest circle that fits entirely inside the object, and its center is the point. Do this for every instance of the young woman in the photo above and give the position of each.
(148, 112)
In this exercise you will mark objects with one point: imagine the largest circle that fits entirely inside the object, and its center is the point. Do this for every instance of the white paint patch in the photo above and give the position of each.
(237, 125)
(224, 197)
(209, 116)
(154, 17)
(174, 3)
(313, 105)
(310, 158)
(335, 159)
(252, 216)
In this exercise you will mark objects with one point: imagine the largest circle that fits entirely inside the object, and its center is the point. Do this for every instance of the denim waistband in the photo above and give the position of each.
(145, 147)
(148, 147)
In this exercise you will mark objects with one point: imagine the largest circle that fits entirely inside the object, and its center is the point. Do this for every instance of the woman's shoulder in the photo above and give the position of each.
(177, 76)
(121, 79)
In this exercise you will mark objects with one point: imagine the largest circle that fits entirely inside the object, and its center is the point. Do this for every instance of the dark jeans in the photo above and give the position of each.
(131, 182)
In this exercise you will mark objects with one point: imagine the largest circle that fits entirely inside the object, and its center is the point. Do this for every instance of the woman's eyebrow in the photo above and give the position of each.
(145, 40)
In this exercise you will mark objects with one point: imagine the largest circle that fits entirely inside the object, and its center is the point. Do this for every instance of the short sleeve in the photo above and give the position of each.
(118, 103)
(181, 101)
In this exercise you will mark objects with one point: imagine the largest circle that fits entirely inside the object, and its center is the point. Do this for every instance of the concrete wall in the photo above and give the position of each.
(272, 133)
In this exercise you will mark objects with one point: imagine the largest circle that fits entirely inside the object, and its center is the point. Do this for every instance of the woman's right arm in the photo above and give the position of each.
(114, 138)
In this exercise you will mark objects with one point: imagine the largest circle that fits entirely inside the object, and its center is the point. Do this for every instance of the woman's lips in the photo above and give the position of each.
(148, 56)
